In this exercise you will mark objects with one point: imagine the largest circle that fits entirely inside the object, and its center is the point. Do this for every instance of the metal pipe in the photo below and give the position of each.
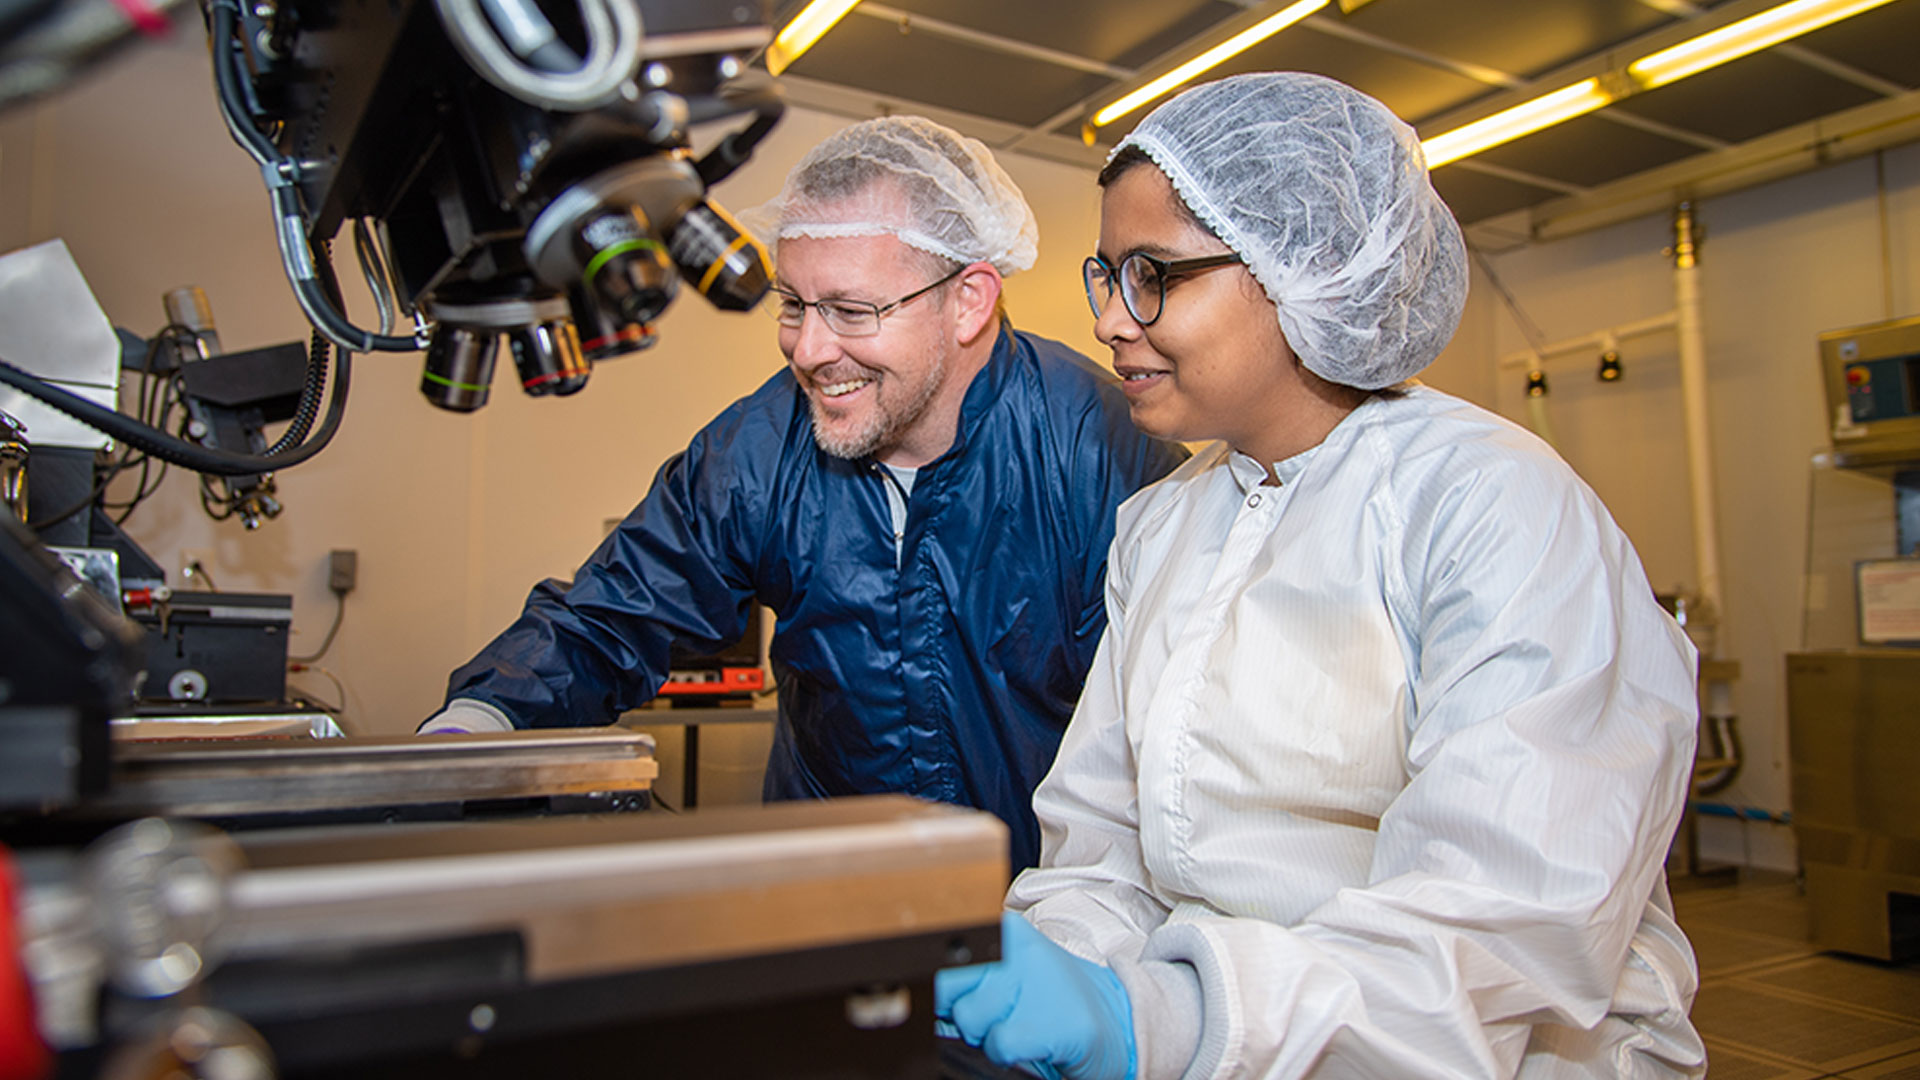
(1886, 233)
(1587, 342)
(1693, 401)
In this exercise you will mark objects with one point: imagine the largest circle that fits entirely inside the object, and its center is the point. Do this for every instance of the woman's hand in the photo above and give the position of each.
(1041, 1007)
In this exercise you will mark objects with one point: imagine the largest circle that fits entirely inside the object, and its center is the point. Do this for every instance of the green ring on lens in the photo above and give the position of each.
(600, 260)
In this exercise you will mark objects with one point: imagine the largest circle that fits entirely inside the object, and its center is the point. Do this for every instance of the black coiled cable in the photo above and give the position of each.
(309, 407)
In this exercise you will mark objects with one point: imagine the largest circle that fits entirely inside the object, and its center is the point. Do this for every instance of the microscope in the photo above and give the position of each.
(514, 174)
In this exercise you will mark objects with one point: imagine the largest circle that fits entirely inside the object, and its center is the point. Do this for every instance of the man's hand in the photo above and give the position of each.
(1041, 1007)
(463, 716)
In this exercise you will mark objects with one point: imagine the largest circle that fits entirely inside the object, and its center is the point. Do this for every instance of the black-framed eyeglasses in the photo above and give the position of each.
(848, 318)
(1143, 281)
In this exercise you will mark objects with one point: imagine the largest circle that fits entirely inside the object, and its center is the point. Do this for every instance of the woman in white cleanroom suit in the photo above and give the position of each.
(1376, 768)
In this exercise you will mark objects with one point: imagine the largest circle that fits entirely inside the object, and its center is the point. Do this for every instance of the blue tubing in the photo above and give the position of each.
(1744, 813)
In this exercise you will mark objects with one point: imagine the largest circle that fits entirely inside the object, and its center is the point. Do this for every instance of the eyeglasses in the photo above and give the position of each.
(1143, 281)
(847, 318)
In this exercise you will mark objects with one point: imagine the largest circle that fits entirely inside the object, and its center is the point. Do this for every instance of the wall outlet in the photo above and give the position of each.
(343, 571)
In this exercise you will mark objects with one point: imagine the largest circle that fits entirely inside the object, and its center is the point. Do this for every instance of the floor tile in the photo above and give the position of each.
(1780, 913)
(1727, 1063)
(1904, 1067)
(1721, 951)
(1743, 1015)
(1894, 990)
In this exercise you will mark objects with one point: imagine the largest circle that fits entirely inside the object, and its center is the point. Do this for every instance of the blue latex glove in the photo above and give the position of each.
(1040, 1007)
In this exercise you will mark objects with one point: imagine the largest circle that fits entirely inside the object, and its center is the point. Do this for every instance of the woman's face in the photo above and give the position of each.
(1215, 364)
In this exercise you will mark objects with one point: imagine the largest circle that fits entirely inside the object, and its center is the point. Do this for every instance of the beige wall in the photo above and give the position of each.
(1781, 264)
(454, 517)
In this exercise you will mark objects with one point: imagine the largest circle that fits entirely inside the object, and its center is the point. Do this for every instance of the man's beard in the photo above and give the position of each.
(885, 422)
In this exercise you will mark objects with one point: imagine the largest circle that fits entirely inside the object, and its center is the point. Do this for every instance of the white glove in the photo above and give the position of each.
(464, 716)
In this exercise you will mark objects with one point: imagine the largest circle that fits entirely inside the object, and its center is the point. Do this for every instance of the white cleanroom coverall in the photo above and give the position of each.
(1376, 769)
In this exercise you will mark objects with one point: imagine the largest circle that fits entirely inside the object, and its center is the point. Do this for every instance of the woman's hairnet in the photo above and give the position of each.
(1324, 193)
(908, 177)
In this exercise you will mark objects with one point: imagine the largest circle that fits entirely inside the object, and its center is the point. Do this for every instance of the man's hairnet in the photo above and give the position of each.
(908, 177)
(1324, 193)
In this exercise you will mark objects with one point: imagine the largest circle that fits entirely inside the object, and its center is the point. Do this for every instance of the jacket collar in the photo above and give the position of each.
(1250, 474)
(984, 393)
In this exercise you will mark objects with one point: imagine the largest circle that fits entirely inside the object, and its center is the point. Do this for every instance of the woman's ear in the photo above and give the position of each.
(977, 300)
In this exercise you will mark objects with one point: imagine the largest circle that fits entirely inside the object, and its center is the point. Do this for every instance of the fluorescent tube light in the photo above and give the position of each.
(1523, 119)
(1730, 42)
(806, 28)
(1206, 61)
(1737, 39)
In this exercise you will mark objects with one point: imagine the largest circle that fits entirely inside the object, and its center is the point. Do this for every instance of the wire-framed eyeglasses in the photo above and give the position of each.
(847, 318)
(1143, 281)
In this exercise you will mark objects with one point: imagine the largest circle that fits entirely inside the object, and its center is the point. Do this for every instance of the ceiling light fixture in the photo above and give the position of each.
(1206, 61)
(806, 28)
(1523, 119)
(1737, 39)
(1690, 57)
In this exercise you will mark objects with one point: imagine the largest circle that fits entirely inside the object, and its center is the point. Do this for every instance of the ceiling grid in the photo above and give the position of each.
(1027, 76)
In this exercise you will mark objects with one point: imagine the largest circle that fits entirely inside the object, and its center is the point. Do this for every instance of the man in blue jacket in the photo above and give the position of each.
(925, 498)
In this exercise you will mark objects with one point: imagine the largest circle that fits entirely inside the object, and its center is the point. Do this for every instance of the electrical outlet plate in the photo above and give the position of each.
(343, 570)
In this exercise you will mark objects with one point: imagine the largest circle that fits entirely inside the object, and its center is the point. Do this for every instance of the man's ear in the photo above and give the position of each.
(976, 294)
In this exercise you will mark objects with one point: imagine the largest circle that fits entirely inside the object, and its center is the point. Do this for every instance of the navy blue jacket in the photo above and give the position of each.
(951, 677)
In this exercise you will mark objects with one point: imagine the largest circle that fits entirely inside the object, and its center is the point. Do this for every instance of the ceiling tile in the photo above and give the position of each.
(1123, 32)
(1408, 87)
(1748, 98)
(1476, 196)
(1883, 42)
(1588, 151)
(1525, 38)
(868, 54)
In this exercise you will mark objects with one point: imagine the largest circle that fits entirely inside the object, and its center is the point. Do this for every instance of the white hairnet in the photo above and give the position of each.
(1324, 193)
(908, 177)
